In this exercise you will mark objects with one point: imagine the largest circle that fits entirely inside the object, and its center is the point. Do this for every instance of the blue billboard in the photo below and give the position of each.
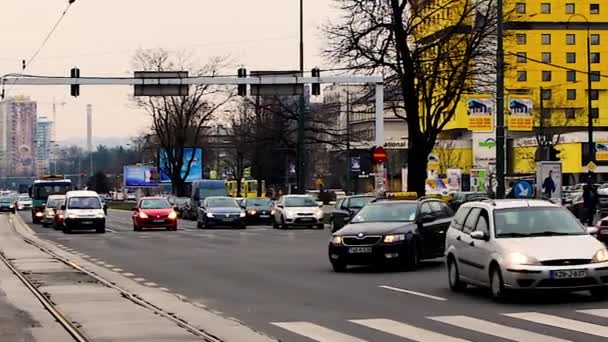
(140, 176)
(196, 168)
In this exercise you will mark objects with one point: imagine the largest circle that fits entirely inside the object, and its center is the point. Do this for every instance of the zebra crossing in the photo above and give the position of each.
(545, 328)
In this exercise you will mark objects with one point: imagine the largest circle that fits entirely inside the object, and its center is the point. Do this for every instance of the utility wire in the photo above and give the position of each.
(46, 39)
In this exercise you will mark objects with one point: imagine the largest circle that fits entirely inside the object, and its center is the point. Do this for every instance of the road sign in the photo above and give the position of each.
(152, 89)
(523, 189)
(380, 155)
(591, 166)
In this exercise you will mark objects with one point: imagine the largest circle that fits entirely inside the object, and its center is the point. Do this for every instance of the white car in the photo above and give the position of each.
(523, 245)
(24, 203)
(297, 210)
(83, 210)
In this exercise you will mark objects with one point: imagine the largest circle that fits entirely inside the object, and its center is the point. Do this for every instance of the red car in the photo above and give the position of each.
(154, 212)
(602, 230)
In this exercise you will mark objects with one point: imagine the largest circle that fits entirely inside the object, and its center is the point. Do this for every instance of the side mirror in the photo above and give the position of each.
(134, 209)
(175, 208)
(63, 207)
(321, 205)
(427, 218)
(479, 235)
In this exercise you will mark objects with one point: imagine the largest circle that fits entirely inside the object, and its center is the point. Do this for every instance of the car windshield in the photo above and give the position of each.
(259, 202)
(52, 203)
(5, 200)
(221, 202)
(530, 222)
(360, 202)
(84, 203)
(475, 196)
(300, 202)
(182, 200)
(387, 212)
(157, 203)
(24, 198)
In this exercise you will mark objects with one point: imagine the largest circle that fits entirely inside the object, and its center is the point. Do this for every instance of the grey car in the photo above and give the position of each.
(523, 245)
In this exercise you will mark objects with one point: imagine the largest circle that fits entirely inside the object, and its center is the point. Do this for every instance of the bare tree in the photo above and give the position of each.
(242, 138)
(430, 53)
(447, 154)
(178, 121)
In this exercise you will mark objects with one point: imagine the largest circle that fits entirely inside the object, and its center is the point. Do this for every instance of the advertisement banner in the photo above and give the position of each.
(601, 151)
(478, 180)
(355, 164)
(549, 180)
(480, 115)
(404, 179)
(484, 149)
(520, 115)
(433, 163)
(454, 179)
(140, 176)
(196, 168)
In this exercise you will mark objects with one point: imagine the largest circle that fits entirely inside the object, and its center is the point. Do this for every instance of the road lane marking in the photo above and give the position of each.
(117, 269)
(316, 332)
(498, 330)
(420, 294)
(151, 284)
(139, 279)
(127, 274)
(163, 289)
(595, 312)
(110, 230)
(405, 330)
(188, 229)
(563, 323)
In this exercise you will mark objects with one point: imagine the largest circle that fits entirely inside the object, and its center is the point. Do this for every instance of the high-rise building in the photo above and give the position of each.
(44, 133)
(17, 137)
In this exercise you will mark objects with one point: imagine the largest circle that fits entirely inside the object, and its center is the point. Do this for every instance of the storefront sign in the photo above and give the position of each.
(520, 115)
(480, 115)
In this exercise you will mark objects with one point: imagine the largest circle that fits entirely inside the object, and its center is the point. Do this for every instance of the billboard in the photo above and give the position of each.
(520, 115)
(196, 168)
(480, 114)
(140, 176)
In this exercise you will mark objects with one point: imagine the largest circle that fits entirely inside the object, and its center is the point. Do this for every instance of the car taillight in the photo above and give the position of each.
(143, 215)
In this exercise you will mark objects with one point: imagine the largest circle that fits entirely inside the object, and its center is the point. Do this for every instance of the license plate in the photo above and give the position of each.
(264, 216)
(159, 221)
(87, 222)
(359, 250)
(568, 274)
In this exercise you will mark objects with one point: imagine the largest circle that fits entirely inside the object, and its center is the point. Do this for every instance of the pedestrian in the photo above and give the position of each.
(590, 204)
(548, 185)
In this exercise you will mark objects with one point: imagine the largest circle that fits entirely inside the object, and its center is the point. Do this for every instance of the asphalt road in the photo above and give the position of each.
(280, 282)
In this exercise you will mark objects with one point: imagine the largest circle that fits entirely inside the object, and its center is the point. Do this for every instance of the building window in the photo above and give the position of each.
(546, 113)
(570, 8)
(595, 76)
(571, 94)
(571, 76)
(521, 38)
(595, 39)
(570, 39)
(595, 94)
(520, 8)
(522, 76)
(595, 113)
(545, 8)
(570, 57)
(594, 8)
(546, 57)
(595, 57)
(545, 94)
(570, 113)
(521, 57)
(545, 39)
(546, 76)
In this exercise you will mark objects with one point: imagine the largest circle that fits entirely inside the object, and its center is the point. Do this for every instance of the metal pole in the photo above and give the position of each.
(589, 103)
(500, 104)
(380, 130)
(300, 153)
(348, 157)
(541, 144)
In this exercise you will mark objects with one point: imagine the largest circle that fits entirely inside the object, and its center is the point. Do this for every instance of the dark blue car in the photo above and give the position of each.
(220, 211)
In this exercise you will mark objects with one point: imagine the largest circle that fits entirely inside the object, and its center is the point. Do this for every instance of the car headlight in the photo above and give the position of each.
(319, 213)
(72, 216)
(272, 212)
(210, 215)
(289, 214)
(600, 256)
(336, 240)
(51, 212)
(39, 214)
(11, 206)
(243, 214)
(100, 215)
(394, 238)
(60, 216)
(143, 215)
(518, 258)
(252, 212)
(172, 215)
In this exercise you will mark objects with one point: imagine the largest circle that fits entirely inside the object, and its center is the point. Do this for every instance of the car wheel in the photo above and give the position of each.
(339, 266)
(67, 230)
(275, 224)
(243, 226)
(497, 285)
(101, 230)
(456, 284)
(45, 225)
(320, 226)
(332, 226)
(412, 256)
(600, 293)
(283, 224)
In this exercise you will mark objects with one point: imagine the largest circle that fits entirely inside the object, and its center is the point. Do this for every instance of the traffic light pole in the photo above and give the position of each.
(500, 104)
(301, 160)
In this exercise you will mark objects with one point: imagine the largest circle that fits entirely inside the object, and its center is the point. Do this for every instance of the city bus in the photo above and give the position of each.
(249, 188)
(42, 188)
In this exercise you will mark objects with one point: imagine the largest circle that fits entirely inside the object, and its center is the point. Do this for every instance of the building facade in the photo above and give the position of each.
(17, 137)
(44, 145)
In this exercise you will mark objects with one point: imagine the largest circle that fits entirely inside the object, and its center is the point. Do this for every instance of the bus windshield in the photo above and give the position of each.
(42, 191)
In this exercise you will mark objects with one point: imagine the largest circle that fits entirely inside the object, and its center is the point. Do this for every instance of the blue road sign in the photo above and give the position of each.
(523, 189)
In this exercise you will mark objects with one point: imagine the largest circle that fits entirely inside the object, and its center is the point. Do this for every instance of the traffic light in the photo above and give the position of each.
(75, 88)
(554, 154)
(81, 174)
(242, 88)
(316, 87)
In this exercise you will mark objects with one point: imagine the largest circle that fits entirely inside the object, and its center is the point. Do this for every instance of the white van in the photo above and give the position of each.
(83, 210)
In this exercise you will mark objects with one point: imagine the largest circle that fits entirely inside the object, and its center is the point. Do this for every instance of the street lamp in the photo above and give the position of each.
(591, 147)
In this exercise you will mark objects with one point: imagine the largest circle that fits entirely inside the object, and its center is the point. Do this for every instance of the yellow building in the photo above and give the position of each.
(546, 50)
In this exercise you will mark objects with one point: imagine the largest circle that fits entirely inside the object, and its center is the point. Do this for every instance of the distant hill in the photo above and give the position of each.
(107, 141)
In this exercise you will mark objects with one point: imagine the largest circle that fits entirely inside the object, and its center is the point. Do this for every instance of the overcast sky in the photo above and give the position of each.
(100, 37)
